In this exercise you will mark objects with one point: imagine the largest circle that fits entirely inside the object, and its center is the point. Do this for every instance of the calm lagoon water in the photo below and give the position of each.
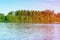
(12, 31)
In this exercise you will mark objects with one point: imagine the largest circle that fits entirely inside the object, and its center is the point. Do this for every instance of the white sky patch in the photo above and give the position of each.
(44, 6)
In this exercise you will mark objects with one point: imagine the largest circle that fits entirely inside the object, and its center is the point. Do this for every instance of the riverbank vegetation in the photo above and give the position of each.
(30, 16)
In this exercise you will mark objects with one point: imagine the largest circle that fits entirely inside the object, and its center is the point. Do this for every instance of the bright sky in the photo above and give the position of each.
(13, 5)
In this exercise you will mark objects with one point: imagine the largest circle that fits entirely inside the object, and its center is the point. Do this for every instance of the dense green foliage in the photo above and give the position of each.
(26, 16)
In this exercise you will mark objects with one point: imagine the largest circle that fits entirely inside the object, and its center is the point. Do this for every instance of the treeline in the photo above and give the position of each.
(26, 16)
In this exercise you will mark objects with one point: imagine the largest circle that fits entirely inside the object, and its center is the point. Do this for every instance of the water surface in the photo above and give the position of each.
(12, 31)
